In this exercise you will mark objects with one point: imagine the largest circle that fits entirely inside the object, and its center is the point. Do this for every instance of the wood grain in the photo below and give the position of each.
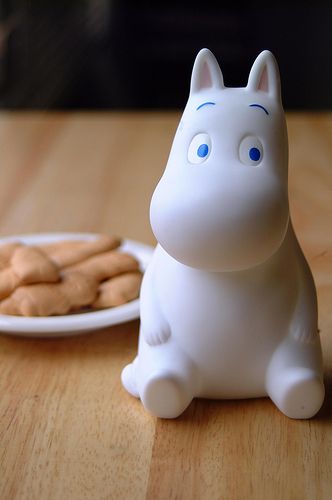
(67, 428)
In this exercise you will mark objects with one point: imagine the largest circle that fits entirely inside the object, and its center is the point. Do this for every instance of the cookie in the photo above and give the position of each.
(6, 252)
(107, 265)
(118, 290)
(27, 265)
(68, 253)
(74, 291)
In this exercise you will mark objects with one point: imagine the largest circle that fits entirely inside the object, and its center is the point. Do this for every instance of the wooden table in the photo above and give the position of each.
(67, 428)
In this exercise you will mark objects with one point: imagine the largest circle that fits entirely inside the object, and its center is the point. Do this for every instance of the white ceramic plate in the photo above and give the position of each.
(62, 326)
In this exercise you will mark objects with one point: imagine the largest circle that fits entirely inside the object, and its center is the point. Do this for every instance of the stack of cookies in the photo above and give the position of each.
(66, 276)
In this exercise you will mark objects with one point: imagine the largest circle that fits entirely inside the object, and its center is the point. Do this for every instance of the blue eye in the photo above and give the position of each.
(251, 151)
(254, 154)
(203, 150)
(199, 148)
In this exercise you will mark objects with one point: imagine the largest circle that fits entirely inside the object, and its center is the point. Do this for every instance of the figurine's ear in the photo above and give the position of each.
(206, 73)
(264, 75)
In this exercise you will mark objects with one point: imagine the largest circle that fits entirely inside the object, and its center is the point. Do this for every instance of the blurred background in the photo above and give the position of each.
(120, 54)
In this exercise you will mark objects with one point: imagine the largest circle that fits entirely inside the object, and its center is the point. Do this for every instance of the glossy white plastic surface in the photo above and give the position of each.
(228, 303)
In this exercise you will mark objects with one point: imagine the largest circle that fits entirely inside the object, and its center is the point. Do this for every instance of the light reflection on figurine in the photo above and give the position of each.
(228, 303)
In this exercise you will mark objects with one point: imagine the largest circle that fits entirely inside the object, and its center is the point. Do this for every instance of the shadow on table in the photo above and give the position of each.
(202, 408)
(325, 413)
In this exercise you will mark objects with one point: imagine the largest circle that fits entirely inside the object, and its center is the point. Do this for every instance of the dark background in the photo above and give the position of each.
(123, 54)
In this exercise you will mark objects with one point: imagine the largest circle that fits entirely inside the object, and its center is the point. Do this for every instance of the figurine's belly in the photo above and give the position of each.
(228, 325)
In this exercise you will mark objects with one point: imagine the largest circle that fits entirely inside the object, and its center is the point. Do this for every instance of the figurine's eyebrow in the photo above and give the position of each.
(259, 106)
(204, 104)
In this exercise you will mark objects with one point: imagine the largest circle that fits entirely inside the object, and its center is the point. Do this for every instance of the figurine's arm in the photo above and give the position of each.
(304, 322)
(154, 327)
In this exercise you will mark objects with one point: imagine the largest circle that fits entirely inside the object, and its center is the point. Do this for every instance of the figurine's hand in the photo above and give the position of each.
(304, 334)
(157, 336)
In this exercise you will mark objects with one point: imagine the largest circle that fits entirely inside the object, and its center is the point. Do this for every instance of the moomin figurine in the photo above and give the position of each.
(228, 303)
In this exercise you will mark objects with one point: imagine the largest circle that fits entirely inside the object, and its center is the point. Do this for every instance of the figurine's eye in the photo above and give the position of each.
(199, 148)
(251, 150)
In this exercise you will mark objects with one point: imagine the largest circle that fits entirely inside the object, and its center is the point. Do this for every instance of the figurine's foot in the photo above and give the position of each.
(166, 396)
(297, 392)
(128, 380)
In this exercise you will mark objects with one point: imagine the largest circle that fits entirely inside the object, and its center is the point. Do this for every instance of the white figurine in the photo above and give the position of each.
(228, 303)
